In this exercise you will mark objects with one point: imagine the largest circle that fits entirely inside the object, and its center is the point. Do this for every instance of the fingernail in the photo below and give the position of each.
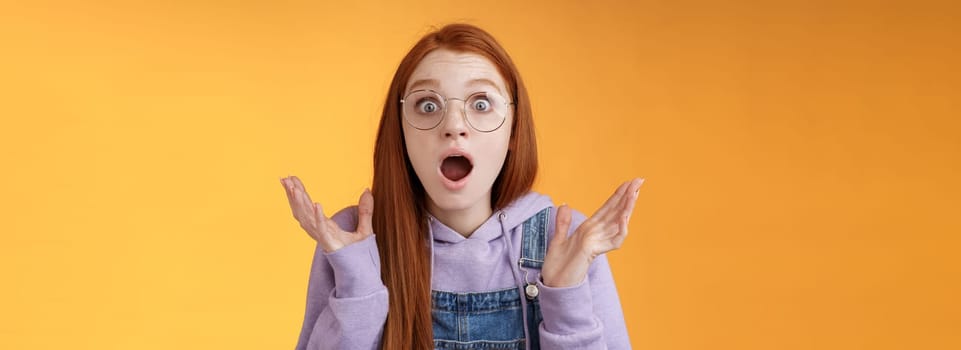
(638, 190)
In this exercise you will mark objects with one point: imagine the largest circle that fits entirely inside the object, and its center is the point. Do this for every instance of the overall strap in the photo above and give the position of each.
(533, 250)
(534, 241)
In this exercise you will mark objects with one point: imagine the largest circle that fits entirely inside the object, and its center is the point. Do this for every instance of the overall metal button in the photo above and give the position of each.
(531, 291)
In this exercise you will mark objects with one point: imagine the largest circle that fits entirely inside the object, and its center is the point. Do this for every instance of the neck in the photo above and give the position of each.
(464, 221)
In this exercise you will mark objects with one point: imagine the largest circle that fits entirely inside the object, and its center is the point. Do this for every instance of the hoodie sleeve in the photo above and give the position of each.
(584, 316)
(346, 298)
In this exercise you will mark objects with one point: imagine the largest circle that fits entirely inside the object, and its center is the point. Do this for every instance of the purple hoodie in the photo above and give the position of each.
(350, 313)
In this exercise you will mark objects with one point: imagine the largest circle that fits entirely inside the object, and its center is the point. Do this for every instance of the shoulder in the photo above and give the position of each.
(346, 218)
(546, 220)
(534, 206)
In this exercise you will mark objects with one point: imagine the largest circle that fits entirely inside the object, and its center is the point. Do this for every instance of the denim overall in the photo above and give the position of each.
(495, 319)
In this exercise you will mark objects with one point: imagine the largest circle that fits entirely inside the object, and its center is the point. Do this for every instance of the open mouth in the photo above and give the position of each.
(456, 167)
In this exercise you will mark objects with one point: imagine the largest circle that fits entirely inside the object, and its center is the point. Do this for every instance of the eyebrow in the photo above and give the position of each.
(483, 81)
(435, 83)
(429, 82)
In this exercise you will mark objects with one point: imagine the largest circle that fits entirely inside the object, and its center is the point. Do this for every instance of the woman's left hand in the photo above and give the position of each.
(569, 257)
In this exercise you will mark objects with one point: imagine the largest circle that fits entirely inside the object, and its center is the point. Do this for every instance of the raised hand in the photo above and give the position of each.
(569, 257)
(325, 231)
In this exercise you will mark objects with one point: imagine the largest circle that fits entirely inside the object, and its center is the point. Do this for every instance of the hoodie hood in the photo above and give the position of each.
(486, 260)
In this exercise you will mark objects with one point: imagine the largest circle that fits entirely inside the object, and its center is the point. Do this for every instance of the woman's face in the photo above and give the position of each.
(456, 163)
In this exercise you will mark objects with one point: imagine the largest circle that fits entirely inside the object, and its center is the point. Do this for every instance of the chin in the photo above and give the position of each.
(454, 201)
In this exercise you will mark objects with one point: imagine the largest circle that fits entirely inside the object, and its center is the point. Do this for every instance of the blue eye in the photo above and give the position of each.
(481, 105)
(427, 107)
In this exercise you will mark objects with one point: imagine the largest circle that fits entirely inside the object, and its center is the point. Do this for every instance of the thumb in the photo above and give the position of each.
(365, 213)
(563, 223)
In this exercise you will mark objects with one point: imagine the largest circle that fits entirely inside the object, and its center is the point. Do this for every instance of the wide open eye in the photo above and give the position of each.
(481, 105)
(427, 106)
(480, 102)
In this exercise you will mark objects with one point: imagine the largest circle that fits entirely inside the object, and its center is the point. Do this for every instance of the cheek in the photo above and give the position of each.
(498, 147)
(505, 136)
(417, 150)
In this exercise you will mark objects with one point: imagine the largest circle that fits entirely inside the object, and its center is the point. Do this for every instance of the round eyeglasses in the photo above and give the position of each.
(425, 109)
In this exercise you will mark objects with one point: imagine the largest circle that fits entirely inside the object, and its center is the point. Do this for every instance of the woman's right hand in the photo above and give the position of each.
(325, 231)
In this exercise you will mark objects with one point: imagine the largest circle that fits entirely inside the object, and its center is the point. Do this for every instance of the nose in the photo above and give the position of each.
(455, 123)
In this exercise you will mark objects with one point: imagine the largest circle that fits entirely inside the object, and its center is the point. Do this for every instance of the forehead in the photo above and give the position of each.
(455, 72)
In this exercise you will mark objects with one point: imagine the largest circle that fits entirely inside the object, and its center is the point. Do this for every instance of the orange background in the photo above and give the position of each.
(801, 162)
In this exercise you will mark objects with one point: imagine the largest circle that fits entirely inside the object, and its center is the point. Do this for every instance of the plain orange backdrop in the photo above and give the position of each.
(801, 159)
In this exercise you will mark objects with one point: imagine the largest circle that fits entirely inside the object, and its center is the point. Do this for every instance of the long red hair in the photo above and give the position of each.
(399, 216)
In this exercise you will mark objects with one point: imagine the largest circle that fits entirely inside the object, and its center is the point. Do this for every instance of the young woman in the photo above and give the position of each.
(451, 249)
